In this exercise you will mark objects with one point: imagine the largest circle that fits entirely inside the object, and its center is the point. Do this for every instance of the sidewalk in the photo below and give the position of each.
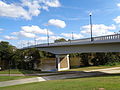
(21, 81)
(63, 75)
(46, 78)
(37, 74)
(108, 70)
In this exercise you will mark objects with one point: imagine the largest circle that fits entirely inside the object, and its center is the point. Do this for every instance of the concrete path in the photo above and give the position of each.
(21, 81)
(46, 78)
(65, 75)
(36, 74)
(108, 70)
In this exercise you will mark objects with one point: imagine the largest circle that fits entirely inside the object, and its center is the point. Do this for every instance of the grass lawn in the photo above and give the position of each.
(6, 78)
(16, 71)
(91, 68)
(107, 82)
(19, 71)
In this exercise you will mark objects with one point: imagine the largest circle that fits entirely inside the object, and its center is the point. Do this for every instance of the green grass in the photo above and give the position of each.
(108, 82)
(91, 68)
(12, 71)
(19, 71)
(7, 78)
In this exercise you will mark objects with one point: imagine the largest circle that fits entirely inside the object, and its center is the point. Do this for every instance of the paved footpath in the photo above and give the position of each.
(63, 75)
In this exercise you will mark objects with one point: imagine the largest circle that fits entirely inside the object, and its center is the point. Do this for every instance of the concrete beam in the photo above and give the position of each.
(84, 48)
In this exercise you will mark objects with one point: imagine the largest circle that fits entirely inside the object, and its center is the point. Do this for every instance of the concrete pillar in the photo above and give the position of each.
(62, 62)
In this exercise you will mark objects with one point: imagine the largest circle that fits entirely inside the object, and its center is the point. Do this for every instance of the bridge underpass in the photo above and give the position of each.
(109, 43)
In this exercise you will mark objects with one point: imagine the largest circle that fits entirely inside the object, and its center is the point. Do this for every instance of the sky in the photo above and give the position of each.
(27, 22)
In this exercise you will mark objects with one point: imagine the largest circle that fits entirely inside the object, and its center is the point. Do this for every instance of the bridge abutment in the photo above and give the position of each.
(62, 62)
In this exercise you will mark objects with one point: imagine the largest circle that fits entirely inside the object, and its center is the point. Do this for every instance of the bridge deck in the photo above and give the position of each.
(101, 39)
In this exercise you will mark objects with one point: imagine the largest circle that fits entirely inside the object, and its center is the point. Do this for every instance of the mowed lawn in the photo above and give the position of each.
(19, 71)
(7, 78)
(91, 68)
(107, 82)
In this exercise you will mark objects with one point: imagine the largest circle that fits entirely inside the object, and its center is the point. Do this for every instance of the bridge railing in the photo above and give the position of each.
(100, 38)
(108, 37)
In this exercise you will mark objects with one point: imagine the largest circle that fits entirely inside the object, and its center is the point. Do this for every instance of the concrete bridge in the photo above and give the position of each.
(109, 43)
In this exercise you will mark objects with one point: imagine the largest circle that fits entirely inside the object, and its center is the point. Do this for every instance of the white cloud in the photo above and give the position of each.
(45, 8)
(12, 10)
(118, 4)
(36, 30)
(24, 34)
(1, 30)
(117, 19)
(26, 8)
(51, 3)
(31, 31)
(55, 37)
(70, 35)
(51, 38)
(57, 22)
(34, 7)
(98, 29)
(25, 43)
(41, 39)
(10, 38)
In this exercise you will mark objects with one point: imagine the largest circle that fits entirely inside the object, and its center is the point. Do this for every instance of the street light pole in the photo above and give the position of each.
(47, 37)
(28, 43)
(72, 36)
(91, 26)
(35, 41)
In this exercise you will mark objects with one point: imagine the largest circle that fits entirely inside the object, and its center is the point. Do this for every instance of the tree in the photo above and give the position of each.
(99, 59)
(60, 40)
(85, 58)
(31, 57)
(6, 53)
(112, 58)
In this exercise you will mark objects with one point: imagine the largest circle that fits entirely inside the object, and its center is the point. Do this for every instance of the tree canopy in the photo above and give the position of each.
(60, 40)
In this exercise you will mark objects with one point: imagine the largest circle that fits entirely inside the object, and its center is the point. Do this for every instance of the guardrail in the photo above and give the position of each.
(108, 37)
(100, 38)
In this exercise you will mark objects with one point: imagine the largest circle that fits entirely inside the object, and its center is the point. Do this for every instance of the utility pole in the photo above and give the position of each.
(91, 26)
(72, 36)
(28, 43)
(35, 42)
(47, 37)
(21, 44)
(9, 67)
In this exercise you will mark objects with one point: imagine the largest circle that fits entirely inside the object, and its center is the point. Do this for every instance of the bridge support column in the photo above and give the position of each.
(62, 62)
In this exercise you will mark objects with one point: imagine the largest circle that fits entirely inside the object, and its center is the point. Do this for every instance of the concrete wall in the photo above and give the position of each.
(75, 61)
(47, 64)
(62, 62)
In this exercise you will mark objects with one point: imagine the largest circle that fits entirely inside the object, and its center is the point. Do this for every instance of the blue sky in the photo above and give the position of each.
(23, 21)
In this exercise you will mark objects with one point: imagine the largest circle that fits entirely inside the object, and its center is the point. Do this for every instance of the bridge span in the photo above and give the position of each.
(109, 43)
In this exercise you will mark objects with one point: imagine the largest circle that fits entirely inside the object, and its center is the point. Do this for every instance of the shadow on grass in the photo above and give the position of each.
(96, 74)
(32, 72)
(28, 71)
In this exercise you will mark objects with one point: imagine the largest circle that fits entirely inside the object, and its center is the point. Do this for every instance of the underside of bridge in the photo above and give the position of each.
(62, 57)
(84, 48)
(109, 43)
